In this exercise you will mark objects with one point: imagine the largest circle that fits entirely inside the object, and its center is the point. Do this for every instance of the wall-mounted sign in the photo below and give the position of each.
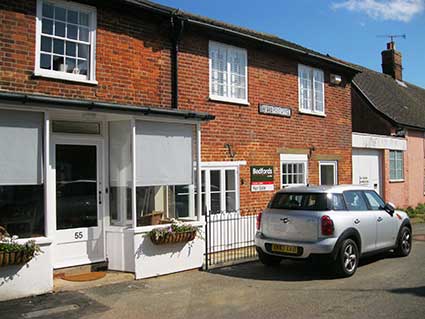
(262, 178)
(274, 110)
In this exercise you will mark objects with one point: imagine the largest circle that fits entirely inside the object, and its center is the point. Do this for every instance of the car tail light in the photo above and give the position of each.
(259, 220)
(327, 225)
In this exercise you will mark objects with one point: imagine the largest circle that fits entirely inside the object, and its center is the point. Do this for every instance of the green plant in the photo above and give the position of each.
(420, 209)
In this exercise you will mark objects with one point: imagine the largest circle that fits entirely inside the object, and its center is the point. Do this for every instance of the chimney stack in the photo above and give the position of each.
(391, 62)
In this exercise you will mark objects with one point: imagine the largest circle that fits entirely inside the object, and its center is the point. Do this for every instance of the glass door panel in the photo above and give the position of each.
(76, 186)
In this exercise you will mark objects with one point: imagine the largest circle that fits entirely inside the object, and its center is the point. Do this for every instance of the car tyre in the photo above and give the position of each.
(404, 242)
(268, 260)
(347, 259)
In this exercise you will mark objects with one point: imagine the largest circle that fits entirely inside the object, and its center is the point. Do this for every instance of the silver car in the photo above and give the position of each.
(333, 223)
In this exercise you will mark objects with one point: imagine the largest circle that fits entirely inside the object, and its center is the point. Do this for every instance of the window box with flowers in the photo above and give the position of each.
(177, 232)
(13, 253)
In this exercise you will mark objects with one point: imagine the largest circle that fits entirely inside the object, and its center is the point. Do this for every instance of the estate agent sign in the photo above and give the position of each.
(262, 178)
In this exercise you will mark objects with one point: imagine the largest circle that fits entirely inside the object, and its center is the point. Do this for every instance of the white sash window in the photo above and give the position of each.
(65, 40)
(228, 73)
(311, 90)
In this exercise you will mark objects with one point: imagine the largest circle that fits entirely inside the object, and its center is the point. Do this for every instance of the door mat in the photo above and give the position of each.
(90, 276)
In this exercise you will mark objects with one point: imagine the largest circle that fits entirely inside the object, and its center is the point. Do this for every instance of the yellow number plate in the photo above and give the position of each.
(284, 249)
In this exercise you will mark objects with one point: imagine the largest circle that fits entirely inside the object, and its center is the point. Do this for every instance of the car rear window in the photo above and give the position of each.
(301, 201)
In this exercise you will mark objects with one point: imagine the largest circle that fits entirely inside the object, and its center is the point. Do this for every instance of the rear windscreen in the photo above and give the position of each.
(301, 201)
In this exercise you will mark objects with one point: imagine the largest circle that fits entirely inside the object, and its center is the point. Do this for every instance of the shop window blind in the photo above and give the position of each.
(21, 147)
(163, 153)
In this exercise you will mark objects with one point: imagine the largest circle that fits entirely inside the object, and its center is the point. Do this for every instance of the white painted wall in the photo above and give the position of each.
(34, 278)
(363, 140)
(154, 260)
(119, 243)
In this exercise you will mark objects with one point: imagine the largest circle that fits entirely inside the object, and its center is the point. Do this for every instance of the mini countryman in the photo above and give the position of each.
(334, 223)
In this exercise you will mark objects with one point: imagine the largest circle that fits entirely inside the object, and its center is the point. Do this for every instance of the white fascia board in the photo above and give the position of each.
(374, 141)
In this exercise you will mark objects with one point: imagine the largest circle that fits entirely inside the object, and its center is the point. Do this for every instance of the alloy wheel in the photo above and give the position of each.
(406, 241)
(350, 258)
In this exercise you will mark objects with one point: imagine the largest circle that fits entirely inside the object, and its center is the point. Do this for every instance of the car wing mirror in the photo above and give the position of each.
(389, 208)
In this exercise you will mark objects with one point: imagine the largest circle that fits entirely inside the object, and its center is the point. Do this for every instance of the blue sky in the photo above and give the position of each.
(346, 29)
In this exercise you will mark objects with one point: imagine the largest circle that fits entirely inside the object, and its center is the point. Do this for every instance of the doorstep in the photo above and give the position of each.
(112, 277)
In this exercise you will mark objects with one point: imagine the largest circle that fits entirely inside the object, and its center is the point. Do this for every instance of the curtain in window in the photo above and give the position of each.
(218, 56)
(228, 71)
(164, 153)
(21, 148)
(305, 88)
(237, 74)
(318, 79)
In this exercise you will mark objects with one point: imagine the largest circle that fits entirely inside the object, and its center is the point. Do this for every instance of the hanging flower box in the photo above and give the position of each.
(13, 258)
(13, 253)
(177, 232)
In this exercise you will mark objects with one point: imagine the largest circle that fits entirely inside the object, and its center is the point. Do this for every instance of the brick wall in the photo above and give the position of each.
(133, 66)
(256, 138)
(132, 60)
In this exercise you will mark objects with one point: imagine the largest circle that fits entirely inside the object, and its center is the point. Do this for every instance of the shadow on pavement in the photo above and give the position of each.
(415, 291)
(290, 270)
(69, 305)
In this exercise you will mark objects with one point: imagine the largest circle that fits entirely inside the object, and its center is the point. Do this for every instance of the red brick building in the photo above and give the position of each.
(101, 109)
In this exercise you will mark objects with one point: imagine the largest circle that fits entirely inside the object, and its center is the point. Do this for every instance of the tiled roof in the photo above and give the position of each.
(402, 102)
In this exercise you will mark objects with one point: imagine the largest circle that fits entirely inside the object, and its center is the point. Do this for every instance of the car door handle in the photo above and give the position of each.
(357, 221)
(380, 219)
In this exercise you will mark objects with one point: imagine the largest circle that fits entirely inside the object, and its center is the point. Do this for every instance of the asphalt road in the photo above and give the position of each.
(383, 287)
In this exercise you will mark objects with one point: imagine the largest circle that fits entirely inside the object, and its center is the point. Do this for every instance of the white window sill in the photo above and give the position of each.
(63, 76)
(396, 180)
(228, 100)
(312, 113)
(42, 241)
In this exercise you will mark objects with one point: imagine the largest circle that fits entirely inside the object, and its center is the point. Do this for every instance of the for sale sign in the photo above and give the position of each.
(262, 178)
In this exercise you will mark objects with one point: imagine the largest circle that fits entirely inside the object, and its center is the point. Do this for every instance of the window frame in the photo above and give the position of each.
(207, 187)
(293, 159)
(335, 170)
(215, 97)
(90, 78)
(45, 139)
(311, 111)
(396, 179)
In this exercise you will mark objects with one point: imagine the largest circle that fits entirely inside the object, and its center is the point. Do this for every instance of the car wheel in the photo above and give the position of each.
(268, 260)
(404, 242)
(348, 258)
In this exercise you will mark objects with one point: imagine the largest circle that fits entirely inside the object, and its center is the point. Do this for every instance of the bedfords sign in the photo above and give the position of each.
(262, 178)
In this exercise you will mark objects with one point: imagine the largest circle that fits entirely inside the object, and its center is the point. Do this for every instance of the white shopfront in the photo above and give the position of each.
(86, 184)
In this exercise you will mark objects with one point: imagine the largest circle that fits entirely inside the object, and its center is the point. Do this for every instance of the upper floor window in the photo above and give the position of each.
(396, 166)
(228, 73)
(311, 90)
(66, 38)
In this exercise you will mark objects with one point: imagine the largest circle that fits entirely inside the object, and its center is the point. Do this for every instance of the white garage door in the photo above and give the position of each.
(367, 168)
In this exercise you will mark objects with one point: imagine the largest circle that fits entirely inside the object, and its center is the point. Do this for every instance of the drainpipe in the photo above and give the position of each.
(177, 25)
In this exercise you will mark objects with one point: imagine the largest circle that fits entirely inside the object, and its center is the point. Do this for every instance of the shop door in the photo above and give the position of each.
(367, 168)
(79, 204)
